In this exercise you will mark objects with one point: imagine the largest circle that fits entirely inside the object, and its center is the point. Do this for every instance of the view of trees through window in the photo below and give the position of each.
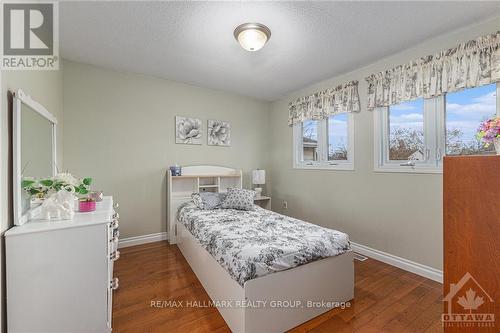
(337, 137)
(310, 140)
(406, 131)
(465, 110)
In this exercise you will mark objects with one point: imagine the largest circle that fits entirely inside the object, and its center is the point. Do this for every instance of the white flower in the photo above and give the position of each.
(67, 178)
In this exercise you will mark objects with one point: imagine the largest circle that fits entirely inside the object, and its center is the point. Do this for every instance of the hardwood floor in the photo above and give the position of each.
(386, 299)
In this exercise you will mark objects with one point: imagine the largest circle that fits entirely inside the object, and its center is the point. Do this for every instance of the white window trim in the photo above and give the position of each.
(323, 163)
(435, 131)
(498, 99)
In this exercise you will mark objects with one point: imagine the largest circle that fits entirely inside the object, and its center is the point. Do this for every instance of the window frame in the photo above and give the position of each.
(323, 163)
(434, 138)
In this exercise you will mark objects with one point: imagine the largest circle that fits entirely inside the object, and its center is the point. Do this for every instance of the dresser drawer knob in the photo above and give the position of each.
(115, 255)
(114, 224)
(114, 284)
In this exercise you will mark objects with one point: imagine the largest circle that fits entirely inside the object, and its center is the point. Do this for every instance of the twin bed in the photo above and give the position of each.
(264, 271)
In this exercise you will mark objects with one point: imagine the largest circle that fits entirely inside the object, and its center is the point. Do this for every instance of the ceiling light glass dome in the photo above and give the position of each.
(252, 36)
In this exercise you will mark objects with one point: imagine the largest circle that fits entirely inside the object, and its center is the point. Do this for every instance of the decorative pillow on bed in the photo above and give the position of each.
(196, 198)
(212, 200)
(239, 199)
(208, 200)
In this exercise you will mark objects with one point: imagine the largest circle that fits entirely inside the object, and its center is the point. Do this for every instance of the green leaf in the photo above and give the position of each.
(47, 182)
(83, 191)
(25, 183)
(87, 181)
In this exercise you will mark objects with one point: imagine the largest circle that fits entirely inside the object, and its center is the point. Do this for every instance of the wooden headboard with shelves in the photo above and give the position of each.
(197, 178)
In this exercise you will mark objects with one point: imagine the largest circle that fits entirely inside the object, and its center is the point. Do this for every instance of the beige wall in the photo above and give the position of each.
(396, 213)
(119, 129)
(46, 88)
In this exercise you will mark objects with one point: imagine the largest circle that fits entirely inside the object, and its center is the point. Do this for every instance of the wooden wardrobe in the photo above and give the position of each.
(471, 243)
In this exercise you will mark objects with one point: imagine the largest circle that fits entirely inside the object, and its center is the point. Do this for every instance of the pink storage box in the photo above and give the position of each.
(86, 206)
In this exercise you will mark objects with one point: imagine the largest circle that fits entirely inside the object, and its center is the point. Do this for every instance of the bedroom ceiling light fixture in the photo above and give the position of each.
(252, 36)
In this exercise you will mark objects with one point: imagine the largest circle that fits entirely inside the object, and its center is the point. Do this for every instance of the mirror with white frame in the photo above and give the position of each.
(34, 131)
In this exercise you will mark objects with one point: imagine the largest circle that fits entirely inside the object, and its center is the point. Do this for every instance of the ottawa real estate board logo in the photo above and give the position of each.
(468, 305)
(30, 36)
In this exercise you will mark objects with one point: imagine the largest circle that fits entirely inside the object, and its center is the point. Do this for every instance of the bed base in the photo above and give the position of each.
(276, 302)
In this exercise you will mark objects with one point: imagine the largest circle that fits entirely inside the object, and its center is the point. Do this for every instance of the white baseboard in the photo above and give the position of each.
(405, 264)
(138, 240)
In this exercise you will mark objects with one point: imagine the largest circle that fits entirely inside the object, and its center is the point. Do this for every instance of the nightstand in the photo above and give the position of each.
(263, 201)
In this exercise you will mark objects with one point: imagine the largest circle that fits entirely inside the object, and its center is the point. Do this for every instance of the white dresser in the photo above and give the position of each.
(60, 273)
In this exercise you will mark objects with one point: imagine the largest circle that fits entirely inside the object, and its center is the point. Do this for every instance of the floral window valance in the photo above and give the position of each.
(321, 105)
(470, 64)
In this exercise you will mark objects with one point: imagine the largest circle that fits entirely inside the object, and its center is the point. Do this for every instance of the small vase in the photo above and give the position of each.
(496, 142)
(96, 195)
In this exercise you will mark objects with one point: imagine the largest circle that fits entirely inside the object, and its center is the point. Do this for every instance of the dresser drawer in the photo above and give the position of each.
(113, 244)
(113, 233)
(113, 228)
(113, 240)
(113, 255)
(113, 285)
(113, 252)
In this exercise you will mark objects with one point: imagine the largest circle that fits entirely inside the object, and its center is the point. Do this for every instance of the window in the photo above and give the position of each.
(310, 140)
(325, 144)
(338, 137)
(406, 131)
(413, 136)
(465, 110)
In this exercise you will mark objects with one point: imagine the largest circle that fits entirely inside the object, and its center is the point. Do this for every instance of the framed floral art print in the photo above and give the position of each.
(188, 130)
(219, 133)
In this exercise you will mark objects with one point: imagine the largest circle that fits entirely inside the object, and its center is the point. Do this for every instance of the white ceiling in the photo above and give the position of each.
(193, 42)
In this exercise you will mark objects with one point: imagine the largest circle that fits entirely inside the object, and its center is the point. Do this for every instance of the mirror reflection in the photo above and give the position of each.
(36, 148)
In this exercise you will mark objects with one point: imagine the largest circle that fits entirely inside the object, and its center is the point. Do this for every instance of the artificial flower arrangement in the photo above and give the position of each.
(45, 187)
(489, 132)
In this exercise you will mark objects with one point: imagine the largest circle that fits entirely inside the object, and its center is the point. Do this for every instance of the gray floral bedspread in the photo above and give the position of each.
(251, 244)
